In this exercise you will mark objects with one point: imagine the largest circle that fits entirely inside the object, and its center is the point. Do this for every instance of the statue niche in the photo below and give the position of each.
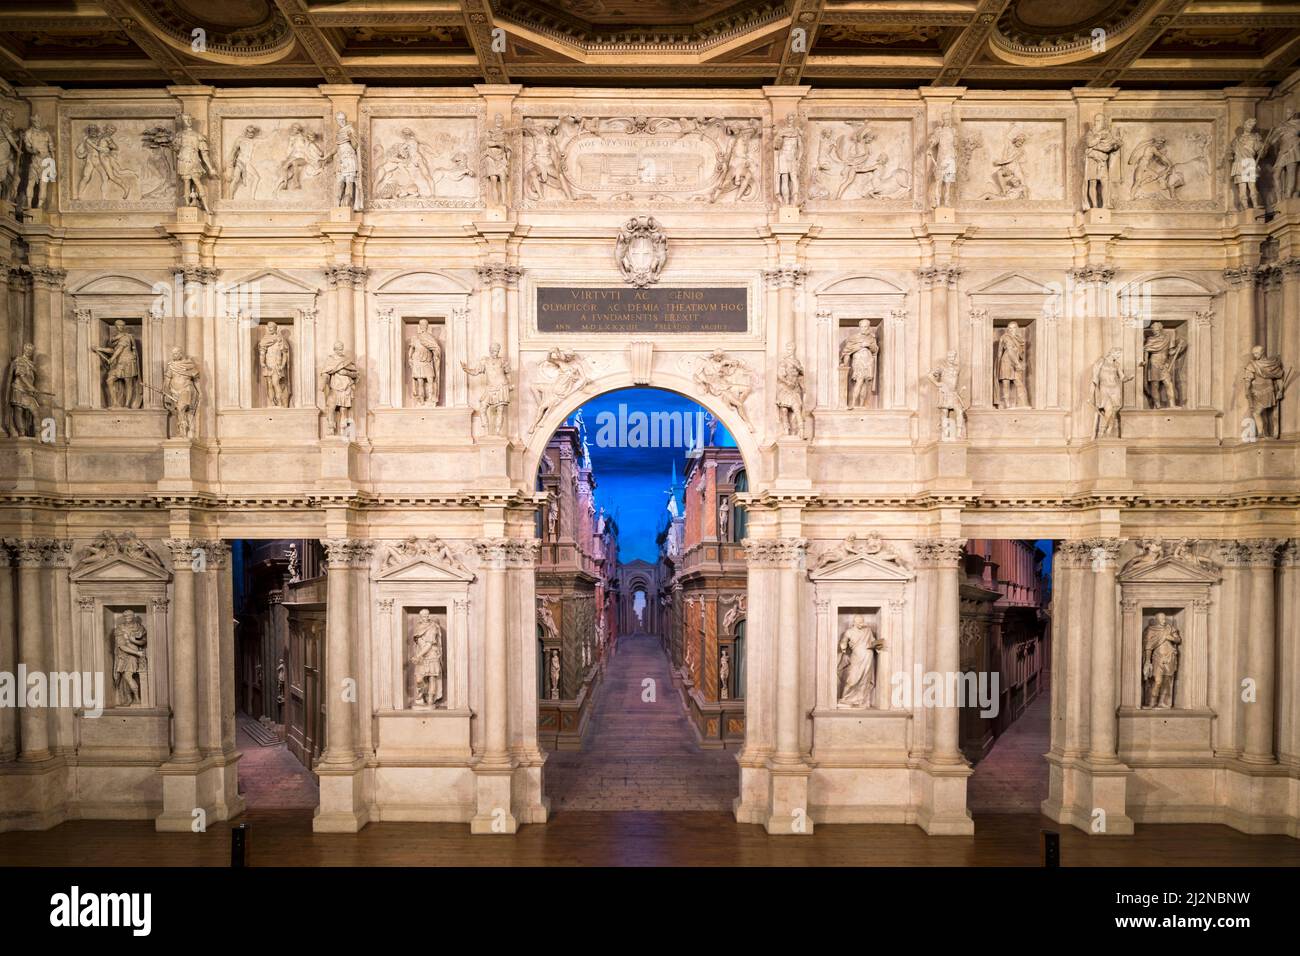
(426, 658)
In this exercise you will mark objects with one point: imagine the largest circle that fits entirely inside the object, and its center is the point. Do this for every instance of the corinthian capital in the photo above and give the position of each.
(1103, 553)
(503, 553)
(348, 552)
(1260, 552)
(776, 552)
(939, 552)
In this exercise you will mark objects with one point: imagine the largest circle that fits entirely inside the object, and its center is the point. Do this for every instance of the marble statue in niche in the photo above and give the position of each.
(1009, 181)
(130, 659)
(553, 517)
(724, 674)
(338, 385)
(945, 378)
(1266, 381)
(554, 673)
(495, 162)
(555, 378)
(1108, 378)
(424, 358)
(347, 164)
(856, 668)
(273, 359)
(641, 251)
(1284, 141)
(21, 395)
(414, 169)
(738, 172)
(941, 151)
(427, 660)
(494, 403)
(1246, 150)
(291, 555)
(727, 378)
(241, 168)
(789, 393)
(121, 360)
(724, 516)
(181, 393)
(860, 352)
(10, 155)
(98, 155)
(787, 143)
(1099, 148)
(38, 145)
(1162, 350)
(1012, 361)
(1161, 641)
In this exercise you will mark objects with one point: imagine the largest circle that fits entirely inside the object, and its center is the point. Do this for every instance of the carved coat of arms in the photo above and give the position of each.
(641, 251)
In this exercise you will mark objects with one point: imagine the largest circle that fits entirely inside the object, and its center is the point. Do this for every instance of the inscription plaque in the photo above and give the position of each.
(656, 310)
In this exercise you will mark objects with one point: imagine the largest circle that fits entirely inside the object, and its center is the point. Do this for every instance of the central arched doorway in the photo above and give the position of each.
(641, 604)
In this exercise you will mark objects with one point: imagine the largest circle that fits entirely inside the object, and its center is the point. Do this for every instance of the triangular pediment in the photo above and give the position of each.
(1170, 571)
(1014, 283)
(862, 567)
(119, 568)
(275, 282)
(424, 569)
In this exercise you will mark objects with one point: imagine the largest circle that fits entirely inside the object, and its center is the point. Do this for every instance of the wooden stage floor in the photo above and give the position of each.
(595, 838)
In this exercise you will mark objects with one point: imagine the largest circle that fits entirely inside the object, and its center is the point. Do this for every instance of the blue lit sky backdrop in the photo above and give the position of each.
(632, 483)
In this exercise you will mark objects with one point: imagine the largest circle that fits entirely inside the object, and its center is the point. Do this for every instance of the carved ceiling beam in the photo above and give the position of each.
(1279, 63)
(24, 22)
(13, 69)
(1114, 65)
(446, 13)
(970, 42)
(848, 16)
(805, 15)
(478, 27)
(138, 28)
(313, 40)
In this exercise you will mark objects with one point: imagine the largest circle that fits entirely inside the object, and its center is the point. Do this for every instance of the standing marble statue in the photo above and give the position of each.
(38, 144)
(1099, 148)
(553, 516)
(724, 675)
(1161, 351)
(860, 352)
(1246, 150)
(347, 163)
(494, 404)
(21, 395)
(424, 356)
(556, 377)
(554, 673)
(273, 357)
(856, 669)
(193, 163)
(1160, 644)
(130, 663)
(181, 392)
(1266, 382)
(241, 170)
(789, 393)
(724, 517)
(291, 555)
(945, 378)
(121, 368)
(1108, 378)
(338, 385)
(787, 142)
(10, 155)
(941, 151)
(1012, 361)
(495, 165)
(1285, 139)
(427, 659)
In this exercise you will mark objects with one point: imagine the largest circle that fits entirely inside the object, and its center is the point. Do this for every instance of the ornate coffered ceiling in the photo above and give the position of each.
(978, 43)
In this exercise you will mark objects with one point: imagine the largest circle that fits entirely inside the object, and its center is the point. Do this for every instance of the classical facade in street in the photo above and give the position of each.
(357, 315)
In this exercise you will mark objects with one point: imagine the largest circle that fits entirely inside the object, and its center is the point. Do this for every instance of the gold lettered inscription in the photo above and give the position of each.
(642, 311)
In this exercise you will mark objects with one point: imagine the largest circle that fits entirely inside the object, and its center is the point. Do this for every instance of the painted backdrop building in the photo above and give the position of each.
(953, 310)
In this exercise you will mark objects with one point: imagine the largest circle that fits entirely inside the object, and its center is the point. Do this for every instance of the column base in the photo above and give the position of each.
(343, 807)
(1091, 797)
(208, 786)
(529, 801)
(942, 810)
(494, 812)
(34, 794)
(774, 795)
